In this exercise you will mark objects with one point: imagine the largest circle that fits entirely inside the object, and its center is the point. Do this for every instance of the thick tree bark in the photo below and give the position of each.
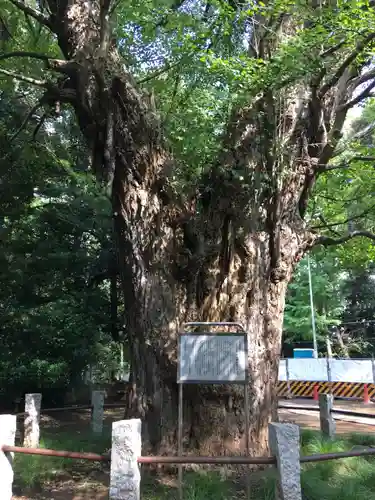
(226, 255)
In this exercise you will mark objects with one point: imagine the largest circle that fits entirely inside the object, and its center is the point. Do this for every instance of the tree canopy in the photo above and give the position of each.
(198, 61)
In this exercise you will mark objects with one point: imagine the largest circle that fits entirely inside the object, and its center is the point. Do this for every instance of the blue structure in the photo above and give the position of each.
(303, 353)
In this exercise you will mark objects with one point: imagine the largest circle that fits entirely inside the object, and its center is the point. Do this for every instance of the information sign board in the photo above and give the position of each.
(212, 358)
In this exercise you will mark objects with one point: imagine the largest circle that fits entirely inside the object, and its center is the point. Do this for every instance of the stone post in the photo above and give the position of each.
(329, 374)
(284, 445)
(327, 422)
(125, 479)
(31, 434)
(8, 424)
(97, 401)
(289, 394)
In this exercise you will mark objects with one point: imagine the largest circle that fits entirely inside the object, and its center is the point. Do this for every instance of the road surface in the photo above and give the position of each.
(344, 423)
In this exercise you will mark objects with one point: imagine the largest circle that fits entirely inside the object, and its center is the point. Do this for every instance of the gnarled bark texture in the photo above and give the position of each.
(226, 255)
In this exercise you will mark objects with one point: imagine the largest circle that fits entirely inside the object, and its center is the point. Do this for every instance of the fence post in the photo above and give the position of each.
(329, 375)
(8, 424)
(327, 422)
(289, 394)
(316, 392)
(284, 445)
(31, 433)
(97, 401)
(125, 478)
(366, 397)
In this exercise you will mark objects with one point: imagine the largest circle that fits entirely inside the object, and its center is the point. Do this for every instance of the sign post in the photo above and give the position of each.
(212, 353)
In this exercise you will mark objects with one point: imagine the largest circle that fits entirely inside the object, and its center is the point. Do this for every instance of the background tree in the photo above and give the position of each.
(358, 318)
(345, 199)
(328, 298)
(54, 224)
(210, 226)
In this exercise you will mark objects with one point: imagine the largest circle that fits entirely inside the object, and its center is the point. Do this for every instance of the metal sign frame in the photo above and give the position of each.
(240, 333)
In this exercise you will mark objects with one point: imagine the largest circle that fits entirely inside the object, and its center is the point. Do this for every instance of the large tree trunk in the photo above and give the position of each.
(240, 290)
(226, 255)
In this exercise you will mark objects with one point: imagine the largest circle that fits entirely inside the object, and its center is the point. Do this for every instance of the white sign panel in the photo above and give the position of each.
(313, 370)
(212, 358)
(282, 370)
(349, 370)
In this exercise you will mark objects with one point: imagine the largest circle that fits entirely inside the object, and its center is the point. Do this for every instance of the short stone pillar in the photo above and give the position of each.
(327, 422)
(8, 425)
(97, 401)
(31, 433)
(125, 479)
(285, 446)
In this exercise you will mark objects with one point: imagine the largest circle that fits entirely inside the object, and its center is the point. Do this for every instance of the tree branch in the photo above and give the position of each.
(344, 201)
(356, 100)
(345, 64)
(349, 219)
(363, 158)
(23, 78)
(37, 128)
(59, 65)
(35, 14)
(332, 50)
(159, 72)
(361, 134)
(363, 78)
(173, 8)
(327, 168)
(328, 241)
(113, 7)
(26, 120)
(325, 224)
(22, 53)
(5, 34)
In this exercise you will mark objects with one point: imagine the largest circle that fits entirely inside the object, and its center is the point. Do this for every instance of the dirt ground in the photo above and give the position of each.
(86, 480)
(72, 488)
(90, 480)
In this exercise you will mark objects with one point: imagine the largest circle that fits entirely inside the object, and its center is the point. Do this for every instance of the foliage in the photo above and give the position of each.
(343, 199)
(358, 316)
(194, 57)
(359, 289)
(342, 283)
(54, 224)
(108, 363)
(343, 305)
(327, 297)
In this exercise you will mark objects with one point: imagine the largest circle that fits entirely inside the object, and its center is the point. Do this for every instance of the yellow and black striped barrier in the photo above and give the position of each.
(300, 389)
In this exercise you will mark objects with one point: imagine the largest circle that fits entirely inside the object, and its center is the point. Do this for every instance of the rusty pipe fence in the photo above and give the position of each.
(106, 406)
(125, 457)
(187, 460)
(33, 411)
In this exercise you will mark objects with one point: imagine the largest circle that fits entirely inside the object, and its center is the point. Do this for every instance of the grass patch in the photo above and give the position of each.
(344, 479)
(211, 485)
(197, 485)
(32, 471)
